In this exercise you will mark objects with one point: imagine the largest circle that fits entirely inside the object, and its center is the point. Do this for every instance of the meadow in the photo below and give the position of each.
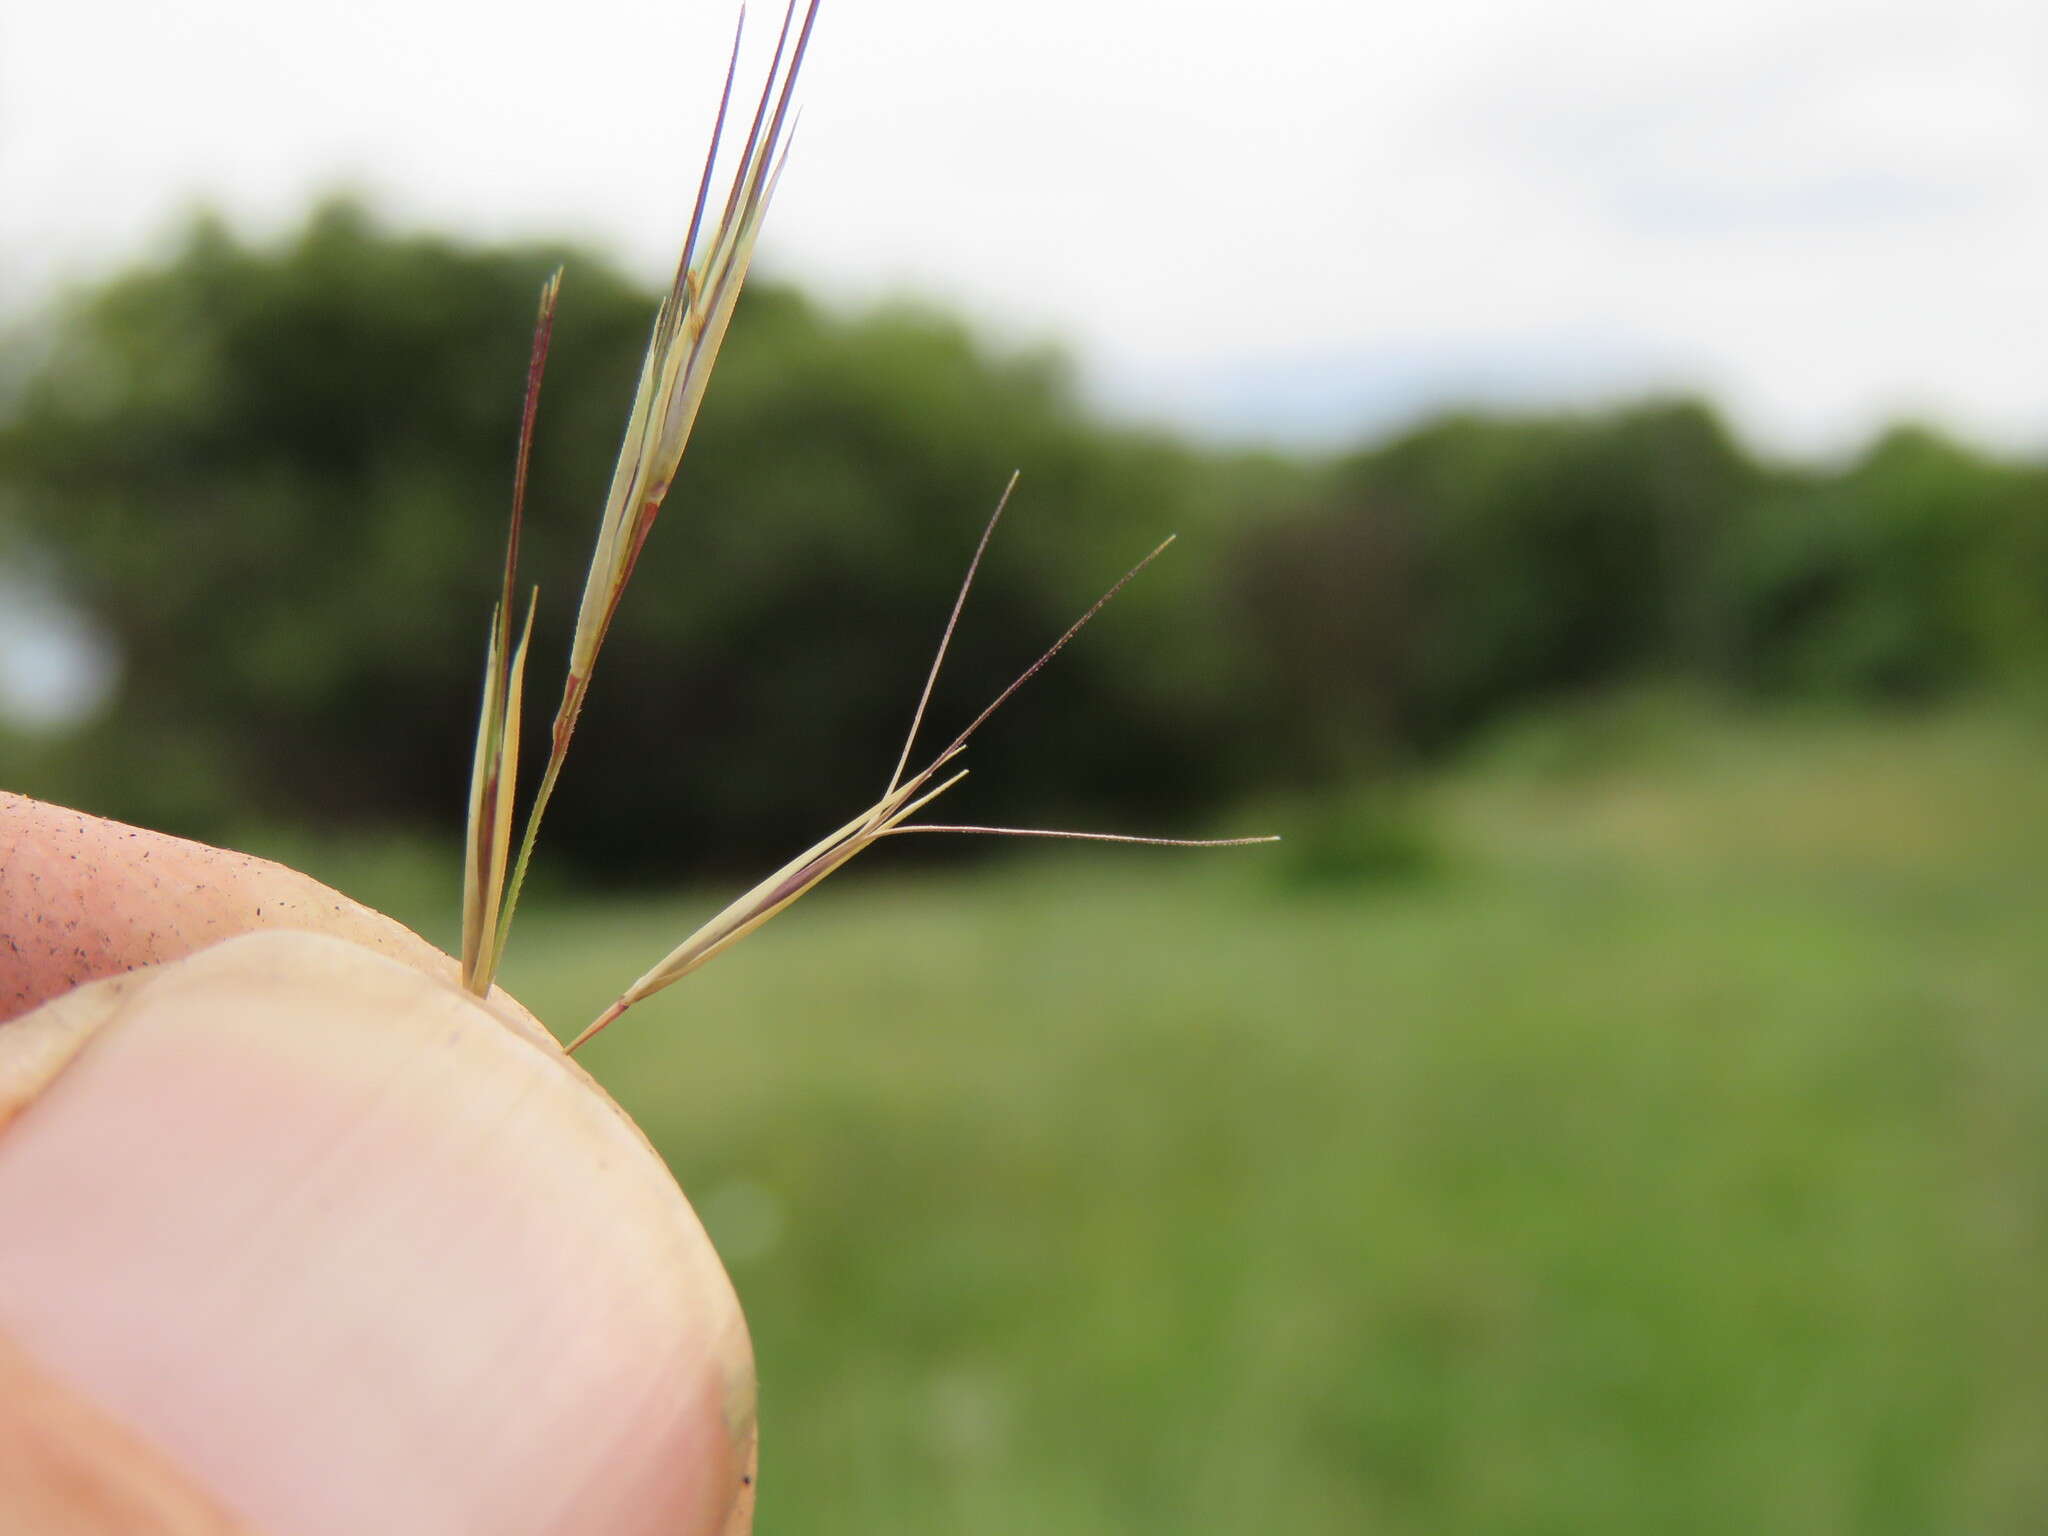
(1664, 1149)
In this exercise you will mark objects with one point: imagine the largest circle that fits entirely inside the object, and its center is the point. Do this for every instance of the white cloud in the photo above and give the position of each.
(1825, 209)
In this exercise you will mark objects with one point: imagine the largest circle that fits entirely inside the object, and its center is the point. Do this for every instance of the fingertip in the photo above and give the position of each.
(83, 899)
(324, 1231)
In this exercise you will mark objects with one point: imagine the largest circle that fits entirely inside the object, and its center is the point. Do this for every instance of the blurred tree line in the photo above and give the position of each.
(277, 477)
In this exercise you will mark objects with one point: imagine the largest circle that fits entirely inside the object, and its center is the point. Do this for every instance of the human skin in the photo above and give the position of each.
(297, 1236)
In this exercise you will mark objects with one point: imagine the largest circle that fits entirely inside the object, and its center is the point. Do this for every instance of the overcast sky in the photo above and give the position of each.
(1296, 217)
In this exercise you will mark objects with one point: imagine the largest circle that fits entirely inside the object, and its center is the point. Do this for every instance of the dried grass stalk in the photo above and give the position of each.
(688, 330)
(689, 327)
(890, 815)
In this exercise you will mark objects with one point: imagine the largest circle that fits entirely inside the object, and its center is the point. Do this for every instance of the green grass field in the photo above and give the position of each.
(1673, 1158)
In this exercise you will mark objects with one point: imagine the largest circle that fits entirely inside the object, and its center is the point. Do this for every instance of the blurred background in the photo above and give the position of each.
(1609, 445)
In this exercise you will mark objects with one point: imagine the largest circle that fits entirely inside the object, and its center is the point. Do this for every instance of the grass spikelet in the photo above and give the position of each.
(890, 815)
(689, 328)
(494, 776)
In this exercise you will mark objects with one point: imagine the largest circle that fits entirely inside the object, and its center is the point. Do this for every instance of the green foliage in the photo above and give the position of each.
(1375, 834)
(1481, 562)
(1481, 566)
(1920, 571)
(833, 492)
(276, 476)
